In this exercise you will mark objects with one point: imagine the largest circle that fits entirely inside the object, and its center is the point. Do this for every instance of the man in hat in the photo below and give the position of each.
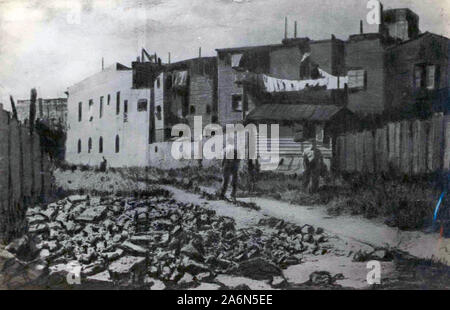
(314, 167)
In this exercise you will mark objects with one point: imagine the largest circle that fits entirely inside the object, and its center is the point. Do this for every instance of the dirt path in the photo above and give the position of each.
(337, 261)
(357, 228)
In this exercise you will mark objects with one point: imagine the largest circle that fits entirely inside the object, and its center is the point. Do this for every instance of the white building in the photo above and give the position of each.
(108, 118)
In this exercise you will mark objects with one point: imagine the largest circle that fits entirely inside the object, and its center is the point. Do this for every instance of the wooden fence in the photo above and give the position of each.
(24, 174)
(411, 147)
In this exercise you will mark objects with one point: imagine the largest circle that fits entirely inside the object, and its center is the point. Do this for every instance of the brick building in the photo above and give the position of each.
(397, 69)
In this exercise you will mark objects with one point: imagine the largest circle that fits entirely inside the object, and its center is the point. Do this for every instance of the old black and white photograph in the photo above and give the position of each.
(224, 145)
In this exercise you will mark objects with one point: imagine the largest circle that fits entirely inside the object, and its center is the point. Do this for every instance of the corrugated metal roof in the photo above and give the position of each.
(293, 112)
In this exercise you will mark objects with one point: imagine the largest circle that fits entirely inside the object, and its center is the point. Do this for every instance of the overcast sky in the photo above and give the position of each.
(53, 44)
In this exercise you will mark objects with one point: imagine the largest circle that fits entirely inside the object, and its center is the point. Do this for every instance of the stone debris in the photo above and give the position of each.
(379, 254)
(156, 242)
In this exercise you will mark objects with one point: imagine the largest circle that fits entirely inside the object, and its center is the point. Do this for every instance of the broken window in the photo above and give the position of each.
(100, 145)
(236, 102)
(357, 79)
(80, 111)
(118, 103)
(125, 111)
(117, 144)
(142, 105)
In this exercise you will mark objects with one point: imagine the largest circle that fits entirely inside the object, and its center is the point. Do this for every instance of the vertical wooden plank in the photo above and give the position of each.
(16, 194)
(447, 143)
(344, 153)
(37, 165)
(406, 147)
(415, 146)
(26, 151)
(430, 146)
(397, 134)
(391, 143)
(359, 151)
(422, 147)
(438, 119)
(4, 171)
(379, 153)
(350, 147)
(369, 156)
(384, 149)
(340, 153)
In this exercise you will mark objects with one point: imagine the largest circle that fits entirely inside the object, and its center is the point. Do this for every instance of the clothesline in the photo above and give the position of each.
(327, 80)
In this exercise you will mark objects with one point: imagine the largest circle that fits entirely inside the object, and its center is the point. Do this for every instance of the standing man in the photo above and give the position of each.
(230, 168)
(314, 166)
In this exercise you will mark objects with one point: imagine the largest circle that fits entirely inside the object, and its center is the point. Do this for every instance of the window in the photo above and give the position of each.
(426, 76)
(192, 109)
(418, 76)
(357, 79)
(236, 103)
(101, 107)
(117, 144)
(158, 83)
(142, 105)
(79, 146)
(89, 145)
(80, 111)
(208, 109)
(100, 145)
(109, 99)
(118, 103)
(91, 104)
(158, 113)
(125, 111)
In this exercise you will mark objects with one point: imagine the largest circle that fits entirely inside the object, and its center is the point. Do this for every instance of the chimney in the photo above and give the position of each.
(199, 52)
(103, 63)
(285, 27)
(295, 29)
(361, 29)
(169, 58)
(138, 59)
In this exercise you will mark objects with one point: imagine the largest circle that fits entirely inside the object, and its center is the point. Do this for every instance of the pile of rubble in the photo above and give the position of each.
(152, 242)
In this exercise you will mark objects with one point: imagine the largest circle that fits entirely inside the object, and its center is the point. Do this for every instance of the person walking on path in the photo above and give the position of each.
(314, 167)
(230, 169)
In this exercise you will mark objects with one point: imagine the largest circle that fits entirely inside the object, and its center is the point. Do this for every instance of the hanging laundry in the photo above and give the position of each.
(305, 56)
(327, 80)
